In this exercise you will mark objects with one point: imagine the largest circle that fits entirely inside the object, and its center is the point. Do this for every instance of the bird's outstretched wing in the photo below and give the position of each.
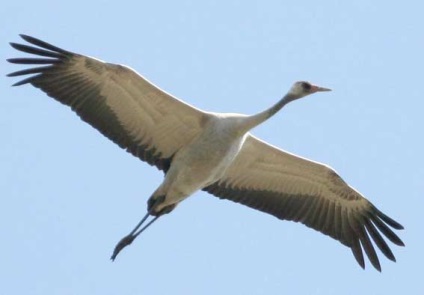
(292, 188)
(114, 99)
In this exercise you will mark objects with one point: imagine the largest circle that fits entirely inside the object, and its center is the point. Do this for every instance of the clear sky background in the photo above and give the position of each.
(68, 194)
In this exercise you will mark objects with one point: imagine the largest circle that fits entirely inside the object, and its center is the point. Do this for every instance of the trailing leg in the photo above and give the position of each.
(152, 205)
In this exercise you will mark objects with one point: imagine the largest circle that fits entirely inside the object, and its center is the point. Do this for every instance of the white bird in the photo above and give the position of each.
(214, 152)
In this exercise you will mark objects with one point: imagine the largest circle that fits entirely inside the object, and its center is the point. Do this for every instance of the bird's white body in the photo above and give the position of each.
(204, 160)
(213, 152)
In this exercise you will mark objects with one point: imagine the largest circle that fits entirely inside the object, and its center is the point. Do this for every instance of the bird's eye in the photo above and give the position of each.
(306, 86)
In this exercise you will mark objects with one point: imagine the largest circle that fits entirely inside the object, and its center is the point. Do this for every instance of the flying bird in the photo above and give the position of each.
(213, 152)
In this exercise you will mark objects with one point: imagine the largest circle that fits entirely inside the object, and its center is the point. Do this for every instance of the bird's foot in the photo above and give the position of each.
(127, 240)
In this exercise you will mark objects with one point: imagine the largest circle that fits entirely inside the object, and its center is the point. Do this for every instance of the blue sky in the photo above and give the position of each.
(68, 194)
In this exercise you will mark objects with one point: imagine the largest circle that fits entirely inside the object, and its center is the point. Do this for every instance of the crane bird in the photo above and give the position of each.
(213, 152)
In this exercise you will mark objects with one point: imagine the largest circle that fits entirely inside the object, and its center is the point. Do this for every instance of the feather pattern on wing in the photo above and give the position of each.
(121, 104)
(292, 188)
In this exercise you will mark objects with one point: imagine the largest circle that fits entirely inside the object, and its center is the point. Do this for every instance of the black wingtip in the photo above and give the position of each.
(357, 253)
(52, 55)
(25, 81)
(32, 61)
(394, 224)
(36, 70)
(14, 45)
(43, 44)
(19, 84)
(30, 39)
(376, 265)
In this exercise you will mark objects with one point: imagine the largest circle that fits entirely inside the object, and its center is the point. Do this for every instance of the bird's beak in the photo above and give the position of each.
(315, 88)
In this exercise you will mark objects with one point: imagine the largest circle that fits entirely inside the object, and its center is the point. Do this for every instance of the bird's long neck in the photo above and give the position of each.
(257, 119)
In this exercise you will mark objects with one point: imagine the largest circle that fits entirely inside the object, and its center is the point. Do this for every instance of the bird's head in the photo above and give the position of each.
(303, 88)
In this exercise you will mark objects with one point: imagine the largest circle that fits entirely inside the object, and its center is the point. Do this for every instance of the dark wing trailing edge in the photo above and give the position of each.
(122, 105)
(292, 188)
